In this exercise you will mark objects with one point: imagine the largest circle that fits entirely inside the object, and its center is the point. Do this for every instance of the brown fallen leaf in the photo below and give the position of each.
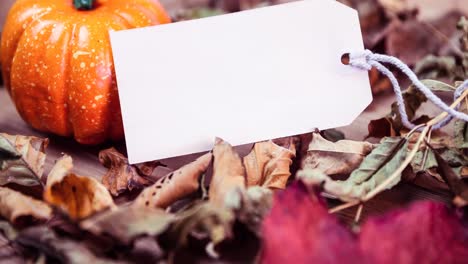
(228, 172)
(268, 164)
(62, 250)
(341, 157)
(22, 159)
(10, 252)
(17, 207)
(126, 223)
(174, 185)
(121, 175)
(382, 127)
(77, 196)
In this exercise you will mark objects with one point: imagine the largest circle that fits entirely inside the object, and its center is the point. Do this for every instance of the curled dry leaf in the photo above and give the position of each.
(341, 157)
(16, 207)
(44, 240)
(374, 169)
(121, 175)
(126, 223)
(174, 185)
(228, 172)
(268, 164)
(22, 159)
(77, 196)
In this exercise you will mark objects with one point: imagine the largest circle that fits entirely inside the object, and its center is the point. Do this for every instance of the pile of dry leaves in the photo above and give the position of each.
(223, 208)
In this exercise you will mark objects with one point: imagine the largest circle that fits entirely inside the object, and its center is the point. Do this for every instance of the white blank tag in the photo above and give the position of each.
(246, 77)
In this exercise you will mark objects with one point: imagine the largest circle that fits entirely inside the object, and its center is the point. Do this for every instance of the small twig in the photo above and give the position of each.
(358, 213)
(408, 135)
(426, 150)
(343, 206)
(413, 152)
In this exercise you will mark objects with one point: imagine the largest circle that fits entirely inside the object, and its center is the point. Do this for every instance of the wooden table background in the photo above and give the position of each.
(86, 158)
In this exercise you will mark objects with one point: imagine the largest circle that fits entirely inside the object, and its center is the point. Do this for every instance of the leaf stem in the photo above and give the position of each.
(358, 213)
(343, 206)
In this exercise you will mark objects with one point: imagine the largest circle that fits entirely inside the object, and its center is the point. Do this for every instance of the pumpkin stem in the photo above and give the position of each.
(83, 4)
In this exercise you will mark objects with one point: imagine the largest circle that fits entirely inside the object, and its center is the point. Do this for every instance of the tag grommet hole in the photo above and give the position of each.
(345, 58)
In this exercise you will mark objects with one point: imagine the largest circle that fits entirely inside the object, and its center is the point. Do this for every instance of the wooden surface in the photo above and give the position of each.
(86, 160)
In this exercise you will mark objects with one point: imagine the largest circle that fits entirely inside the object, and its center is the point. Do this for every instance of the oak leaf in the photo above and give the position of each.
(17, 207)
(228, 172)
(174, 185)
(121, 175)
(268, 164)
(340, 157)
(22, 159)
(77, 196)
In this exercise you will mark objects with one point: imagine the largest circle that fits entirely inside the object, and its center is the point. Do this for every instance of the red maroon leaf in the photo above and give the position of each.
(300, 230)
(426, 232)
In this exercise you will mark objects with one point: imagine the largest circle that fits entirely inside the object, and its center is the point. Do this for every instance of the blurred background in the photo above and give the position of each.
(422, 33)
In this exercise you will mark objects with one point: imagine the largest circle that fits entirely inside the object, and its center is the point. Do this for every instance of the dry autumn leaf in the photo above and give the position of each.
(268, 164)
(121, 175)
(228, 172)
(203, 220)
(22, 159)
(341, 157)
(126, 223)
(78, 196)
(374, 169)
(17, 207)
(174, 185)
(63, 250)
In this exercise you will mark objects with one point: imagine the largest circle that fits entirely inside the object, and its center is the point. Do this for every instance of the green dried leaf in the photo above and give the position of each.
(413, 99)
(128, 222)
(437, 86)
(455, 183)
(202, 220)
(382, 161)
(460, 128)
(251, 206)
(21, 159)
(374, 169)
(418, 161)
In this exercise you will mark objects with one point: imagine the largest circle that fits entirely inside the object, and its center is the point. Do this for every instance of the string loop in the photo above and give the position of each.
(365, 60)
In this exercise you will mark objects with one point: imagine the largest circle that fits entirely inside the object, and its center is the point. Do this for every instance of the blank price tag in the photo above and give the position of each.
(245, 77)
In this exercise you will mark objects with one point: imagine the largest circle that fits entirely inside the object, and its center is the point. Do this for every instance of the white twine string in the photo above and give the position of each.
(366, 60)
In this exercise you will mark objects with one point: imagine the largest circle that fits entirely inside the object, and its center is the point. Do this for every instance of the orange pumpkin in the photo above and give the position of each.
(57, 63)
